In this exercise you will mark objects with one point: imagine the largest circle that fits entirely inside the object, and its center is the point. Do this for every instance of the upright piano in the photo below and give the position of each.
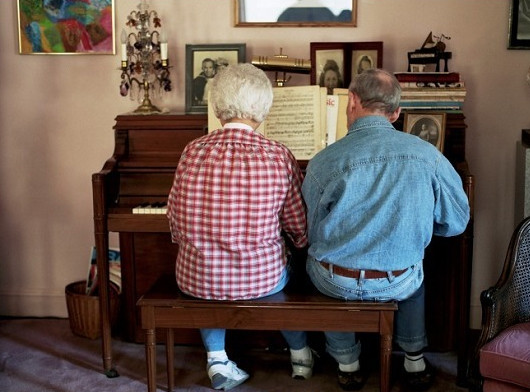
(140, 170)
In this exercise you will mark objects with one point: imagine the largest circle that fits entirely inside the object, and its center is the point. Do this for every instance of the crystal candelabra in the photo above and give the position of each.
(144, 60)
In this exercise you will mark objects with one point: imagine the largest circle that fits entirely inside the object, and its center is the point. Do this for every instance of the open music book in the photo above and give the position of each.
(303, 118)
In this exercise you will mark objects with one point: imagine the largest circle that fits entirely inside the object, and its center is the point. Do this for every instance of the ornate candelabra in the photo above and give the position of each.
(144, 60)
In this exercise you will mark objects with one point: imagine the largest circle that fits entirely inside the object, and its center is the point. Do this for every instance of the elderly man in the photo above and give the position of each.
(374, 200)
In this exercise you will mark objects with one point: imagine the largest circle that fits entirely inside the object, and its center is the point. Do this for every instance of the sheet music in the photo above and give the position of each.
(342, 121)
(295, 119)
(332, 104)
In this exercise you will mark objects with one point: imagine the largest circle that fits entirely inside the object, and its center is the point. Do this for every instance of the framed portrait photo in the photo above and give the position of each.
(333, 64)
(366, 55)
(202, 64)
(519, 35)
(429, 126)
(328, 65)
(62, 27)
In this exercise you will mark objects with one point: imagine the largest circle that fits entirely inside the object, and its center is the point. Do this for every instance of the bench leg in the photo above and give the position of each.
(386, 352)
(150, 355)
(170, 354)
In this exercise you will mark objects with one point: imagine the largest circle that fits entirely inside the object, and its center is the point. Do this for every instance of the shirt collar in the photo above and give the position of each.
(368, 121)
(237, 125)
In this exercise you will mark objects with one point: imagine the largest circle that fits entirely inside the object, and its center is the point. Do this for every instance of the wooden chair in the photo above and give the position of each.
(297, 307)
(501, 360)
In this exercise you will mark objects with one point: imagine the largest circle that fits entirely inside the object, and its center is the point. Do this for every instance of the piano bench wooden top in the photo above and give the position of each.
(297, 307)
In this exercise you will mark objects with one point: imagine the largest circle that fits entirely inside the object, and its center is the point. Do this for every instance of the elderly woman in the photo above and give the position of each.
(233, 195)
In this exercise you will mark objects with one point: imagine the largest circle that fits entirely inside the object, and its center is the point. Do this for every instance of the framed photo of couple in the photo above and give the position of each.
(203, 62)
(334, 64)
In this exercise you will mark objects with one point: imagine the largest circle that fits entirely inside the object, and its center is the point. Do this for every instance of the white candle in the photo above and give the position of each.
(163, 46)
(123, 45)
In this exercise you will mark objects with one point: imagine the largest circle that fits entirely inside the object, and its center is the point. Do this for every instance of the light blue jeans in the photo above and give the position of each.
(407, 289)
(214, 339)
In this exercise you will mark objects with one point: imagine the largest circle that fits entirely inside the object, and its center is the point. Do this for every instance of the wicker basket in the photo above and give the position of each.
(83, 310)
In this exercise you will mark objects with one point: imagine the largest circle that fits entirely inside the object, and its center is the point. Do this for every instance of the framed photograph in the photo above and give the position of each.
(429, 126)
(366, 55)
(519, 35)
(333, 64)
(202, 64)
(295, 13)
(66, 27)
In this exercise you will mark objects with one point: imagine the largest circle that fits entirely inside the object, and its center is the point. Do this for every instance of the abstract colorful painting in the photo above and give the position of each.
(66, 26)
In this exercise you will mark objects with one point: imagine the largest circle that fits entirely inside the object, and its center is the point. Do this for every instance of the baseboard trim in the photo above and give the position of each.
(33, 303)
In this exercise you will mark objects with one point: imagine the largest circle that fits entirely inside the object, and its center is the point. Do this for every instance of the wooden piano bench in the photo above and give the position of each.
(297, 307)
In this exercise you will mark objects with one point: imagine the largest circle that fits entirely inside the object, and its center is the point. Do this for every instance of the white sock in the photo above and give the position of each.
(351, 367)
(217, 356)
(414, 363)
(302, 354)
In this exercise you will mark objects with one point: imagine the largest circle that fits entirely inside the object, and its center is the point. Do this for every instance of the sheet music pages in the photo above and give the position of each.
(342, 121)
(332, 104)
(297, 119)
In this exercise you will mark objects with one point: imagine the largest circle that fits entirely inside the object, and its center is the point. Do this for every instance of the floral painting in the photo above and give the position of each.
(66, 26)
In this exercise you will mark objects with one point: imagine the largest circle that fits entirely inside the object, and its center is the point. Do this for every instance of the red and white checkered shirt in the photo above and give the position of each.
(233, 194)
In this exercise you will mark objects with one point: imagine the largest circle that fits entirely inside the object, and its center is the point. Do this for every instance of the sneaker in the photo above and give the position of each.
(303, 368)
(225, 375)
(350, 381)
(420, 381)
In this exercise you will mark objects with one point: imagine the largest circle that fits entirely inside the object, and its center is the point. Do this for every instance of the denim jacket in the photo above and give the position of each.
(376, 197)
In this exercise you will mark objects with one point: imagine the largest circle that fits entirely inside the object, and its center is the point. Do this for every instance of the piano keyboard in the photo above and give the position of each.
(150, 208)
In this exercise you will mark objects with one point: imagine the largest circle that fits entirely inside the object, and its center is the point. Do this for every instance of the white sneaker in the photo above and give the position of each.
(303, 368)
(225, 375)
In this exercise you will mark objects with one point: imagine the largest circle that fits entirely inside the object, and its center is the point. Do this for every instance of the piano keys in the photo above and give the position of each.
(151, 208)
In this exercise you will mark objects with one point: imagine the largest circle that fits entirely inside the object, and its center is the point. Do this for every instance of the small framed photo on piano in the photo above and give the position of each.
(203, 62)
(429, 126)
(334, 64)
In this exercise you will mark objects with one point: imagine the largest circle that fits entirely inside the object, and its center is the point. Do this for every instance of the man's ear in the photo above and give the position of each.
(351, 101)
(395, 115)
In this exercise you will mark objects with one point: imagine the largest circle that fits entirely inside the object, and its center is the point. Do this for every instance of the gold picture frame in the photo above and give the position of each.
(74, 27)
(292, 13)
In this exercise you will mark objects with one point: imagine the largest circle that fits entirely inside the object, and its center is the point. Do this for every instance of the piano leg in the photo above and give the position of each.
(101, 236)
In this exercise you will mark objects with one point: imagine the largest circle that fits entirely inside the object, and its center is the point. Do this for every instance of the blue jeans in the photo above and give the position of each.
(214, 339)
(407, 289)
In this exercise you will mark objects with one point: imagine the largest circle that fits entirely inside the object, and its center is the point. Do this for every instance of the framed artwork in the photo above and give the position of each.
(295, 13)
(519, 36)
(429, 126)
(202, 64)
(66, 27)
(333, 64)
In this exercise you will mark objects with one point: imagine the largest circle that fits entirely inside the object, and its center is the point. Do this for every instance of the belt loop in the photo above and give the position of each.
(390, 276)
(330, 269)
(361, 275)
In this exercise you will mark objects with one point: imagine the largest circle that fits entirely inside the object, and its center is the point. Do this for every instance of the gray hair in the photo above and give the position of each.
(241, 91)
(377, 89)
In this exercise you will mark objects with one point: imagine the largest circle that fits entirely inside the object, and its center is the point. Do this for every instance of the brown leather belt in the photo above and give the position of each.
(355, 273)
